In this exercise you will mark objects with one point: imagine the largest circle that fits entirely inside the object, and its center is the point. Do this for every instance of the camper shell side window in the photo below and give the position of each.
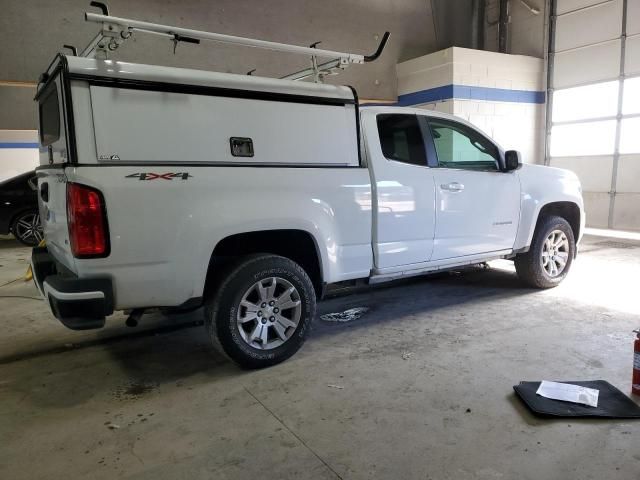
(49, 110)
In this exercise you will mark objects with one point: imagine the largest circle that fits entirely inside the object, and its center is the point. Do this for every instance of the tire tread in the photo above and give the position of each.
(213, 306)
(527, 264)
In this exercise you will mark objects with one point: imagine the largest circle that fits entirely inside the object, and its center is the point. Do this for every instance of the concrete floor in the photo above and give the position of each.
(420, 387)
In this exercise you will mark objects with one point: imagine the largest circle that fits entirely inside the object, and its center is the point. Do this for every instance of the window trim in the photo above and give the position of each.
(432, 155)
(498, 160)
(423, 136)
(51, 89)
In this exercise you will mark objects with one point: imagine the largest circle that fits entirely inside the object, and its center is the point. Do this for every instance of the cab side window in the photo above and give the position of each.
(459, 146)
(401, 138)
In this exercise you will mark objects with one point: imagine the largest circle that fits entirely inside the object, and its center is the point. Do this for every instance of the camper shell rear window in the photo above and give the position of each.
(49, 109)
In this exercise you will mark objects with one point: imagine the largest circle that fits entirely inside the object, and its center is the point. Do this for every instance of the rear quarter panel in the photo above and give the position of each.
(163, 232)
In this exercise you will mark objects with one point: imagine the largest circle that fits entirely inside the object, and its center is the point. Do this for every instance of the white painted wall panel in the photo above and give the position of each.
(587, 65)
(523, 134)
(633, 17)
(588, 51)
(564, 6)
(628, 180)
(425, 79)
(594, 172)
(465, 66)
(23, 136)
(425, 62)
(145, 126)
(596, 206)
(444, 107)
(632, 55)
(14, 161)
(626, 214)
(589, 26)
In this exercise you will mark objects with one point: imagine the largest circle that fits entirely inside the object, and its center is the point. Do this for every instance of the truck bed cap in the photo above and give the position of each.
(89, 67)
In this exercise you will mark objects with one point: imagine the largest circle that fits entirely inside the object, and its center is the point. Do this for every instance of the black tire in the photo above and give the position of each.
(30, 237)
(529, 265)
(222, 308)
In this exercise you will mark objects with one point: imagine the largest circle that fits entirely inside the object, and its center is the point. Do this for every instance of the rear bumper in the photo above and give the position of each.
(79, 303)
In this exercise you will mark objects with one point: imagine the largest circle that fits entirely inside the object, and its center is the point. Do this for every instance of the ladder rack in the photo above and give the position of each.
(116, 30)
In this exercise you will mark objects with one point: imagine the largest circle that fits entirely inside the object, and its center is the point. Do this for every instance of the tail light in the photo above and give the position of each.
(87, 220)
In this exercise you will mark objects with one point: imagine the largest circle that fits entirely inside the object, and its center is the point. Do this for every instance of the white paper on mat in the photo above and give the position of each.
(569, 393)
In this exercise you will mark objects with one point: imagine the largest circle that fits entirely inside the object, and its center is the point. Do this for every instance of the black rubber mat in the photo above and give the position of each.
(612, 403)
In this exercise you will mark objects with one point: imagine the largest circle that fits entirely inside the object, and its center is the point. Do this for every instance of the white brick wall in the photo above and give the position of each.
(514, 125)
(443, 107)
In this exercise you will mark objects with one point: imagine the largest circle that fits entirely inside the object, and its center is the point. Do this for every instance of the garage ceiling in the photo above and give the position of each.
(35, 33)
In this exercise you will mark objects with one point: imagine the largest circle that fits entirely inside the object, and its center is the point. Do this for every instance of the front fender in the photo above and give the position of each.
(541, 186)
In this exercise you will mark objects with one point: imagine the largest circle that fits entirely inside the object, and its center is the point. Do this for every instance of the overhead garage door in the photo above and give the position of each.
(594, 103)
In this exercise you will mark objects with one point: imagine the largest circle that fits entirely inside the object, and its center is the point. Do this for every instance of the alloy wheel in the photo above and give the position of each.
(555, 253)
(28, 228)
(269, 313)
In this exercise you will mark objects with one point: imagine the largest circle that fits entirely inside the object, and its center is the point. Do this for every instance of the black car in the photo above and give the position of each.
(19, 209)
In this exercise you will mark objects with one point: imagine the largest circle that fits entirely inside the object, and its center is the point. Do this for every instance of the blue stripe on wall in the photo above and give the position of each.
(497, 94)
(19, 145)
(466, 92)
(427, 96)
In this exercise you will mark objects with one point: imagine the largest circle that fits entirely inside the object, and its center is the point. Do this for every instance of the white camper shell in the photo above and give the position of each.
(188, 116)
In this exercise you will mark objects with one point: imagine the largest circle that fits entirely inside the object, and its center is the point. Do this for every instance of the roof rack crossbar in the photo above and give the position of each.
(116, 30)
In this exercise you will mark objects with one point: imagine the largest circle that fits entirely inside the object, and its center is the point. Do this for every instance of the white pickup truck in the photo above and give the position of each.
(177, 188)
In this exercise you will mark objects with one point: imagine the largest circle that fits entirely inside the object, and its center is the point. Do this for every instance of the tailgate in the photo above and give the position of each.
(52, 191)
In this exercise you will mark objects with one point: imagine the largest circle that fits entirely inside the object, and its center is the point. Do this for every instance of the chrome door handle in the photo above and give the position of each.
(452, 187)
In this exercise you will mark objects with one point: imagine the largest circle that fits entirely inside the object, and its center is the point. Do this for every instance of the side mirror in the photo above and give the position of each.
(512, 160)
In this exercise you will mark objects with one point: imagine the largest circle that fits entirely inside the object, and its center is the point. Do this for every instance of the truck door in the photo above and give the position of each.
(478, 206)
(403, 189)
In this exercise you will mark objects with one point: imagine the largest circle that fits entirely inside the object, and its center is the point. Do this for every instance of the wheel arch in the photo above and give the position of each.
(295, 244)
(532, 266)
(570, 211)
(531, 217)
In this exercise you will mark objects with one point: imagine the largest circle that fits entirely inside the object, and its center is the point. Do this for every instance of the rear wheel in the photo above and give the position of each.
(549, 258)
(261, 312)
(27, 229)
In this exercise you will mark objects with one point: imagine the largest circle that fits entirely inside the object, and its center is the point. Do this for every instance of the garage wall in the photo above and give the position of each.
(499, 93)
(18, 152)
(595, 105)
(32, 31)
(526, 28)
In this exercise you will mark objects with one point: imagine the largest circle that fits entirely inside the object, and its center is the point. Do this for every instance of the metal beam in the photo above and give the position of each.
(616, 152)
(551, 54)
(503, 24)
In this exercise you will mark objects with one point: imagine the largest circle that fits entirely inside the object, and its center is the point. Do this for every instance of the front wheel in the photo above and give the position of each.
(261, 312)
(549, 258)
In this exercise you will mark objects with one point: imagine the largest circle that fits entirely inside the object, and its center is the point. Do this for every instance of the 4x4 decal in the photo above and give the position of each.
(162, 176)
